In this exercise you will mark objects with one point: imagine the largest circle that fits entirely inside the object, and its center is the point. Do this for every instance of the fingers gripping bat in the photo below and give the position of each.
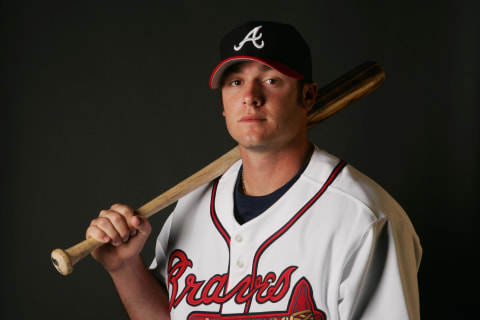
(331, 98)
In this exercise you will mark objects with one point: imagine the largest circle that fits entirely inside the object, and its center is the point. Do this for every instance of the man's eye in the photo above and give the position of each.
(271, 81)
(235, 83)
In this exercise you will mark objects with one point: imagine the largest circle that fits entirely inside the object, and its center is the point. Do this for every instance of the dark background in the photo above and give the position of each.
(108, 102)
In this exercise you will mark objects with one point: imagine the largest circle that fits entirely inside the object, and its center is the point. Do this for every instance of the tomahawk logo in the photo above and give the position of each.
(252, 36)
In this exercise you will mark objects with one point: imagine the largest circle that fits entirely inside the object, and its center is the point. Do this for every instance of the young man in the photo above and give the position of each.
(288, 232)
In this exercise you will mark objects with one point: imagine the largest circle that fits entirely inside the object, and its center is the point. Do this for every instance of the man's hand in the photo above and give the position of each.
(123, 233)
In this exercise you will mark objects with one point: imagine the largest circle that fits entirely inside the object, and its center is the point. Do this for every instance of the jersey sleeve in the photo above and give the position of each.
(379, 280)
(157, 267)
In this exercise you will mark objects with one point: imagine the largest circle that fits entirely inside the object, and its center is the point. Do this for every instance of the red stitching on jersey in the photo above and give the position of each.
(338, 168)
(214, 216)
(220, 228)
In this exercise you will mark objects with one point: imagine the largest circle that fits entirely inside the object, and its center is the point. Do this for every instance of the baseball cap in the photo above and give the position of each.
(277, 45)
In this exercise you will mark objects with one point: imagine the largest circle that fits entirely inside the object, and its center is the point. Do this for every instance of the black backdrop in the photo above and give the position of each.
(109, 102)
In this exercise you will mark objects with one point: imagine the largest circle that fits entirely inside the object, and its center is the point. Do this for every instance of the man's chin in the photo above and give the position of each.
(257, 146)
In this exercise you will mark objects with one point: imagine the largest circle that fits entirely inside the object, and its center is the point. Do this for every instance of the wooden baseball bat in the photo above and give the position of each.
(331, 98)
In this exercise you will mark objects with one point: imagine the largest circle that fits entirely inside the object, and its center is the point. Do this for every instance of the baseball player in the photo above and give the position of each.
(288, 232)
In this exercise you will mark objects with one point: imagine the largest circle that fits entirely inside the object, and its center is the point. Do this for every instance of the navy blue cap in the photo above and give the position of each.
(277, 45)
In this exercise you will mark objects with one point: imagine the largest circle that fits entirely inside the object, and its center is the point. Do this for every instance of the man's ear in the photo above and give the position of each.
(309, 95)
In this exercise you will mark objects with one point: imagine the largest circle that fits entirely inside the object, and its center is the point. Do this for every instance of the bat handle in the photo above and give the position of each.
(63, 260)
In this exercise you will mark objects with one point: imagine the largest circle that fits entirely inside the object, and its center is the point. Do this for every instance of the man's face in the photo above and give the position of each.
(261, 107)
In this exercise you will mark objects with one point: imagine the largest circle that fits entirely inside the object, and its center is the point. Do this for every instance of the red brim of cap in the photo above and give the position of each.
(222, 66)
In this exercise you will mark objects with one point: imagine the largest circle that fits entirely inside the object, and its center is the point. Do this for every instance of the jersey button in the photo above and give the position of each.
(240, 263)
(238, 238)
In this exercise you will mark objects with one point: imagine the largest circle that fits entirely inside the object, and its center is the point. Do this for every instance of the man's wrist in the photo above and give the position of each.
(129, 266)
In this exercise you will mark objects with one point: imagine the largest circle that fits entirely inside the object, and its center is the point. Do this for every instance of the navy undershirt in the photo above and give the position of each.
(249, 207)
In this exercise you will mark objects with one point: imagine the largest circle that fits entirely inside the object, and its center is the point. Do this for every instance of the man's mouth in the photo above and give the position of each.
(251, 118)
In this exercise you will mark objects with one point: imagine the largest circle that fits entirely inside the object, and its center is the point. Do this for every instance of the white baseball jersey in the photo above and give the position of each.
(334, 246)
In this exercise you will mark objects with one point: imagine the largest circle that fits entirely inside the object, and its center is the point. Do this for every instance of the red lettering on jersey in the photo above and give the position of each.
(219, 283)
(197, 292)
(177, 265)
(301, 306)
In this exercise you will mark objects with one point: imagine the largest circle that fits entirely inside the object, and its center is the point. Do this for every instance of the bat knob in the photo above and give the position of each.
(62, 261)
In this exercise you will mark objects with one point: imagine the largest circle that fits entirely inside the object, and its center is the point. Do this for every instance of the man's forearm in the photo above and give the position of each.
(142, 296)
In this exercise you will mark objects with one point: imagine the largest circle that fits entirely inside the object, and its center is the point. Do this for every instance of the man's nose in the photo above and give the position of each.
(253, 95)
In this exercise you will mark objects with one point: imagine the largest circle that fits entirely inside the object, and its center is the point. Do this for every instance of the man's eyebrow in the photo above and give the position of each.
(266, 68)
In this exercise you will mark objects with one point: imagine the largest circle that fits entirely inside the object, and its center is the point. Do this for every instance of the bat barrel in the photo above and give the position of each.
(348, 88)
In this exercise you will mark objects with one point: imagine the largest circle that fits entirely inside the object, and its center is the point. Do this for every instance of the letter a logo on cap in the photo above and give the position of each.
(253, 37)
